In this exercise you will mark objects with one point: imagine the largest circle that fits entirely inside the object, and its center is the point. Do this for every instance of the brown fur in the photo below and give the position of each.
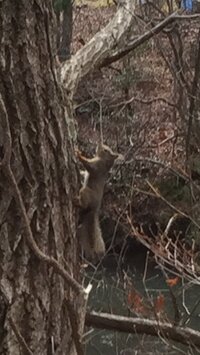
(90, 197)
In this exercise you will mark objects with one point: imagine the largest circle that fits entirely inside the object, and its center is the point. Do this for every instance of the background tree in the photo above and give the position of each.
(148, 123)
(64, 15)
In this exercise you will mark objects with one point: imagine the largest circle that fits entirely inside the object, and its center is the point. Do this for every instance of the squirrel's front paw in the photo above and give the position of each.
(78, 153)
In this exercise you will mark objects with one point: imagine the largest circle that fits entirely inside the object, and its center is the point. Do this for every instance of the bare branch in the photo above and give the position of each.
(181, 174)
(98, 52)
(145, 37)
(99, 47)
(181, 213)
(145, 102)
(143, 326)
(19, 337)
(173, 255)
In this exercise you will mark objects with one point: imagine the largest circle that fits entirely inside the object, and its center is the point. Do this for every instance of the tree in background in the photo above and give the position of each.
(64, 15)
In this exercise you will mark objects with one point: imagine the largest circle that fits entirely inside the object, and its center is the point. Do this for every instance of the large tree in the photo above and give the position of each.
(41, 297)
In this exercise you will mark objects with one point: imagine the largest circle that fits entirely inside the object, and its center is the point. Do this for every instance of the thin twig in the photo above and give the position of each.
(179, 174)
(172, 206)
(177, 317)
(164, 256)
(197, 303)
(101, 120)
(145, 37)
(145, 102)
(19, 337)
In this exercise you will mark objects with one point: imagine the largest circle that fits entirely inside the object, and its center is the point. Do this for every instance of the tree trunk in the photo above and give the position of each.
(32, 294)
(64, 51)
(42, 306)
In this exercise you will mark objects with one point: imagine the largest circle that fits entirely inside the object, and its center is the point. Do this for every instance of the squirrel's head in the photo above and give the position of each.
(106, 153)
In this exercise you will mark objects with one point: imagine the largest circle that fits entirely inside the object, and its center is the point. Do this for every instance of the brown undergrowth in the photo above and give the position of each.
(134, 106)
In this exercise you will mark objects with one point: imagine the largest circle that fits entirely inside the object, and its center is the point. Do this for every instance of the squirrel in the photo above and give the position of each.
(90, 197)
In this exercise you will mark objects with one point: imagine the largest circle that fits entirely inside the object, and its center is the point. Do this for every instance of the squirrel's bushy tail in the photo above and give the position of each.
(90, 236)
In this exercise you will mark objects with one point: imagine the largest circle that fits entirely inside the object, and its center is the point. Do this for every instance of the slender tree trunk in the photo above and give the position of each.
(32, 295)
(64, 51)
(57, 13)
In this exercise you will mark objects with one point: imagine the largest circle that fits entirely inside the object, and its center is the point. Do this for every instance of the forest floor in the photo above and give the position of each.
(132, 104)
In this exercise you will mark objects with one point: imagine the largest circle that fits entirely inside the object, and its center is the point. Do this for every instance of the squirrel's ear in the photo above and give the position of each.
(99, 148)
(115, 155)
(119, 156)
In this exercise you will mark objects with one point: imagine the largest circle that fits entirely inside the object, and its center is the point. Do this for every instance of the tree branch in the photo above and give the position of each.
(19, 337)
(99, 47)
(184, 335)
(98, 52)
(145, 37)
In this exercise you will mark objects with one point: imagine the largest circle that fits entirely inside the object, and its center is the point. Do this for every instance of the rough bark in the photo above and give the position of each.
(41, 309)
(41, 312)
(32, 294)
